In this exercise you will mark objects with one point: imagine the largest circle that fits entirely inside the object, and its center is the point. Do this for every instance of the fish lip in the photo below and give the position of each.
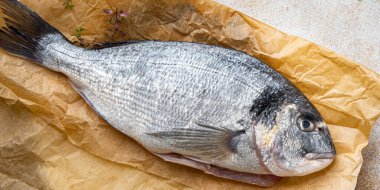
(318, 156)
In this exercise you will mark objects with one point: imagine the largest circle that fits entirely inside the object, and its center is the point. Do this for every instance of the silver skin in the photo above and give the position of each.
(212, 108)
(150, 87)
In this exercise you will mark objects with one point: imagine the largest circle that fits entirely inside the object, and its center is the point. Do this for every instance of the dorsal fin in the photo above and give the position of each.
(114, 44)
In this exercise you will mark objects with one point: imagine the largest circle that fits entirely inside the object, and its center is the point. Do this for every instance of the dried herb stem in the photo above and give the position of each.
(115, 20)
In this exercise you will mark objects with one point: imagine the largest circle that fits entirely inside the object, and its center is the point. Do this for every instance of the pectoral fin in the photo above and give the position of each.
(203, 141)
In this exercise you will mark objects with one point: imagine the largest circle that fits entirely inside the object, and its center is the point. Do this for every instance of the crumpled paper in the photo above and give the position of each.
(51, 139)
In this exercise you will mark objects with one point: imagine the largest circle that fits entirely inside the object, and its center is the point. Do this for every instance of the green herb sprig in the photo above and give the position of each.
(68, 4)
(78, 34)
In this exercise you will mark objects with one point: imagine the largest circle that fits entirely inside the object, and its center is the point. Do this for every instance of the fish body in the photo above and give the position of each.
(147, 87)
(208, 107)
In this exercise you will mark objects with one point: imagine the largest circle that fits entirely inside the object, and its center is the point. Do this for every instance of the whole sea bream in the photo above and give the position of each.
(211, 108)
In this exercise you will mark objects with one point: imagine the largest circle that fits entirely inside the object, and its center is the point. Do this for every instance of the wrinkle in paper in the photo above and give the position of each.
(50, 138)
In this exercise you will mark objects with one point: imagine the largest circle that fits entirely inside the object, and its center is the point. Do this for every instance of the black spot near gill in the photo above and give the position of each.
(268, 101)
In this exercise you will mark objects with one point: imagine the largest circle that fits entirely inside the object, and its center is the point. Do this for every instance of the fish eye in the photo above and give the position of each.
(305, 124)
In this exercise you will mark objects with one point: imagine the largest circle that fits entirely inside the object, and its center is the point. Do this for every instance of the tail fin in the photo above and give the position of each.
(24, 28)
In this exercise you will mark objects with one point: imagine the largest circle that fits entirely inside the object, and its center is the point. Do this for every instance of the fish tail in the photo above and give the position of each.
(23, 30)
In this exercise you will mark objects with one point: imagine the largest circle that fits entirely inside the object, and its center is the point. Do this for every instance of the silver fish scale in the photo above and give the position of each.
(159, 85)
(152, 86)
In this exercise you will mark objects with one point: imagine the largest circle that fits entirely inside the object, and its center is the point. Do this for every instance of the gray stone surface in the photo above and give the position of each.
(350, 28)
(369, 176)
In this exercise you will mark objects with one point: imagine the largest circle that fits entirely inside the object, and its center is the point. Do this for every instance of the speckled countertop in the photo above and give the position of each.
(354, 23)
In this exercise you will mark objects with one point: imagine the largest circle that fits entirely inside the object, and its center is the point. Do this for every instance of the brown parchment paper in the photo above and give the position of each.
(50, 138)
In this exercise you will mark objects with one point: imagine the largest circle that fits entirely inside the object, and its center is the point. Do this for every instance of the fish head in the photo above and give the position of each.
(301, 142)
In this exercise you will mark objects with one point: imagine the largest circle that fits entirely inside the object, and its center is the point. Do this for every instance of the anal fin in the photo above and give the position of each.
(79, 91)
(264, 180)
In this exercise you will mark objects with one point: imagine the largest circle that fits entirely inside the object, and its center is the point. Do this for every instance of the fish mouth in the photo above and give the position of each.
(318, 156)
